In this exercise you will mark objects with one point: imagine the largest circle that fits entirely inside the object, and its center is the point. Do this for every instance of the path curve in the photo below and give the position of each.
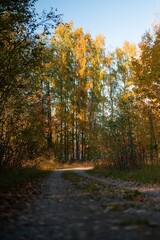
(152, 190)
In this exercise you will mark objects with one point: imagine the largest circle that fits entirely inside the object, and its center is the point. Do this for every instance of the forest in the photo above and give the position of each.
(63, 91)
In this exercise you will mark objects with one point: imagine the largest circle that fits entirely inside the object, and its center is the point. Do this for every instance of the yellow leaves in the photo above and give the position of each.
(48, 65)
(82, 115)
(125, 55)
(154, 100)
(129, 83)
(53, 82)
(63, 57)
(78, 54)
(108, 60)
(78, 32)
(82, 61)
(46, 78)
(102, 74)
(89, 85)
(82, 65)
(127, 95)
(100, 41)
(119, 52)
(129, 48)
(62, 35)
(60, 30)
(146, 71)
(81, 72)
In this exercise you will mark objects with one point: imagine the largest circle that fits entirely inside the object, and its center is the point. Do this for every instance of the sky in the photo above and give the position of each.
(116, 20)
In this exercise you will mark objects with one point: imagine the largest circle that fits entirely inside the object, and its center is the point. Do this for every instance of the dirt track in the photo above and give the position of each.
(64, 212)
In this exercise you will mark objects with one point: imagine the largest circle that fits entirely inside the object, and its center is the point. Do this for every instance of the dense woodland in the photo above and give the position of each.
(66, 93)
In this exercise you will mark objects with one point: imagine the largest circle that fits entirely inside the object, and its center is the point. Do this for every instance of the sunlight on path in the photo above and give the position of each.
(73, 169)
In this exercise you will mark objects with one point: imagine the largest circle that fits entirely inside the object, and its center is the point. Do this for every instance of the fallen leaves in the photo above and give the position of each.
(16, 197)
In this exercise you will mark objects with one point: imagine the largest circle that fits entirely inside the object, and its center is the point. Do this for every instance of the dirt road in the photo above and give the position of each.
(64, 212)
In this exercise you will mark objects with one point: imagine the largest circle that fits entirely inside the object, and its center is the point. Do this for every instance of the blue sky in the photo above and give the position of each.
(116, 20)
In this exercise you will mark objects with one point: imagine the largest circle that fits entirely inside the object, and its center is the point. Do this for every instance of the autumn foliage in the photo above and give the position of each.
(67, 94)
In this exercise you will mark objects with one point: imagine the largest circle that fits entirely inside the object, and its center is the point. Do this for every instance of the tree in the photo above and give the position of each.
(119, 130)
(146, 75)
(77, 76)
(21, 55)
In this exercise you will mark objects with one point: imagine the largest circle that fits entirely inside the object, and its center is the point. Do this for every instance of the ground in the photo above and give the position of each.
(65, 210)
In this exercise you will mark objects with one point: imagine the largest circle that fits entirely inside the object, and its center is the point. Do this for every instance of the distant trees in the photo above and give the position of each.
(118, 122)
(76, 70)
(131, 131)
(99, 107)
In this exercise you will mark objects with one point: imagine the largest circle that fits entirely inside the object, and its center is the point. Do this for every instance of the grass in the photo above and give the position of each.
(88, 185)
(14, 177)
(10, 179)
(147, 174)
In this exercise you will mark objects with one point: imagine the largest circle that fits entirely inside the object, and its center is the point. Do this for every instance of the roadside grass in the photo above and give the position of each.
(147, 174)
(9, 179)
(27, 173)
(88, 185)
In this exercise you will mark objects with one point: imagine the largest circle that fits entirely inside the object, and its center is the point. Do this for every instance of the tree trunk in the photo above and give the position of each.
(49, 116)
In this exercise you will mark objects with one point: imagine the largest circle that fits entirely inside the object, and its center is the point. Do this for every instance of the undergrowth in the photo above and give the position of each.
(11, 177)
